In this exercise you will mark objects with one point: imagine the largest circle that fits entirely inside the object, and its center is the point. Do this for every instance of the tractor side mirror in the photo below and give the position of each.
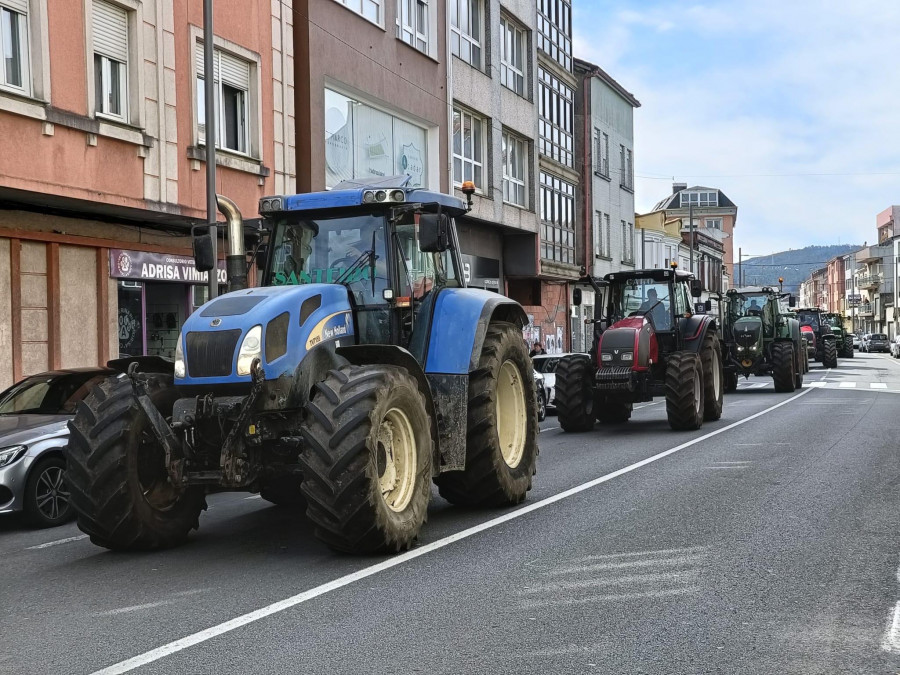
(707, 305)
(576, 296)
(434, 232)
(261, 254)
(696, 288)
(792, 301)
(204, 251)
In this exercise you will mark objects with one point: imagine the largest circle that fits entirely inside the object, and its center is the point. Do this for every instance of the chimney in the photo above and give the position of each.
(678, 187)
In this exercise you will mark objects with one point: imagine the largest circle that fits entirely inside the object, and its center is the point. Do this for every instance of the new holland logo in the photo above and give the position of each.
(215, 322)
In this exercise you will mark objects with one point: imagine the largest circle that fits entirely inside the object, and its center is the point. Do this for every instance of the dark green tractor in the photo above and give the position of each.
(842, 338)
(761, 339)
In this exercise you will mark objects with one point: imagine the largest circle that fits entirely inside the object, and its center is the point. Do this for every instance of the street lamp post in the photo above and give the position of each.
(209, 99)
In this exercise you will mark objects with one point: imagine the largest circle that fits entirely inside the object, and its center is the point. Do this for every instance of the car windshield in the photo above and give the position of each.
(48, 394)
(878, 336)
(546, 365)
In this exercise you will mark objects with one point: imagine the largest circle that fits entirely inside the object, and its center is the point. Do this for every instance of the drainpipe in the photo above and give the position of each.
(236, 258)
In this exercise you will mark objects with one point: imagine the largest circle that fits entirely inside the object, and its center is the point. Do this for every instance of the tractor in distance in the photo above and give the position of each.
(648, 342)
(823, 341)
(359, 371)
(842, 338)
(760, 339)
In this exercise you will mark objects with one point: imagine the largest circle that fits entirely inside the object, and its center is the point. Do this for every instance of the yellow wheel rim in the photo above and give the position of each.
(512, 414)
(396, 459)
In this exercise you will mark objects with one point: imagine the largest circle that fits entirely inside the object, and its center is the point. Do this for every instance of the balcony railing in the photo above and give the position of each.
(865, 309)
(869, 281)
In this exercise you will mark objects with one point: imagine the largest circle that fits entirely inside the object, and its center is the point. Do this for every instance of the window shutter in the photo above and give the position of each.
(234, 72)
(17, 5)
(198, 57)
(110, 27)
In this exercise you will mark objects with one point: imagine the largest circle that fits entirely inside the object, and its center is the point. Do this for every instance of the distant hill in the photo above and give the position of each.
(795, 265)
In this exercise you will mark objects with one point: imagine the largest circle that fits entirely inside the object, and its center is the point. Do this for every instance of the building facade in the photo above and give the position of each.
(102, 169)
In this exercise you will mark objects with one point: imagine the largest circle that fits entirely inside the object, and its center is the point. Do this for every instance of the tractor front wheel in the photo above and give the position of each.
(848, 347)
(829, 354)
(502, 425)
(731, 381)
(575, 407)
(367, 461)
(117, 475)
(783, 366)
(713, 394)
(685, 398)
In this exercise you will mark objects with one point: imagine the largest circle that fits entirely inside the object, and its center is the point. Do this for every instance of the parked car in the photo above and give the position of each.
(895, 347)
(877, 342)
(857, 344)
(540, 390)
(546, 364)
(33, 435)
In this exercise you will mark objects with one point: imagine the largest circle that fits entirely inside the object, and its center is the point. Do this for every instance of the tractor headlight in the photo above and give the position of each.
(628, 356)
(179, 358)
(752, 348)
(606, 357)
(739, 348)
(250, 349)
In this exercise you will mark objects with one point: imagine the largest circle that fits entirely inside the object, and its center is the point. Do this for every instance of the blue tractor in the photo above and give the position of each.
(360, 370)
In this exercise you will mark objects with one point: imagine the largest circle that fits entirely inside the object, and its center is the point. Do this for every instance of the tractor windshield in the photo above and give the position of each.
(810, 319)
(748, 305)
(833, 320)
(639, 297)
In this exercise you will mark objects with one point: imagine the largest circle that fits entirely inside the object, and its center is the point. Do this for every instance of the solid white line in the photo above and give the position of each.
(57, 542)
(817, 384)
(547, 429)
(282, 605)
(253, 497)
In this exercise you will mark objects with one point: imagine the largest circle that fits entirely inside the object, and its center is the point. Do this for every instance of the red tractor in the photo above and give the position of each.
(648, 341)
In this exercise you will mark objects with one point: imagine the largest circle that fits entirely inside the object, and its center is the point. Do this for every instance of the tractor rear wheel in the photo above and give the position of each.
(575, 406)
(829, 354)
(848, 347)
(502, 426)
(783, 366)
(117, 475)
(731, 381)
(685, 398)
(798, 367)
(614, 412)
(713, 394)
(367, 461)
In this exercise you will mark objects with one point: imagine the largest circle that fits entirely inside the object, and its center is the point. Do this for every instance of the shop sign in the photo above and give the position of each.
(481, 272)
(166, 267)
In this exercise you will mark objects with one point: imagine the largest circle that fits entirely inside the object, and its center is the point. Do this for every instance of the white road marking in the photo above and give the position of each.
(253, 497)
(891, 640)
(727, 467)
(816, 384)
(57, 542)
(611, 597)
(637, 554)
(628, 564)
(547, 429)
(847, 385)
(305, 596)
(647, 405)
(669, 577)
(743, 462)
(133, 608)
(878, 385)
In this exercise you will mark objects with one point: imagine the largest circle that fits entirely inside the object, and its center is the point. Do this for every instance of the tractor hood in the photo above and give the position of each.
(629, 343)
(748, 335)
(276, 324)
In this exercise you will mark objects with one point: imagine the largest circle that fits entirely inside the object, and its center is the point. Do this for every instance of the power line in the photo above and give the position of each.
(766, 175)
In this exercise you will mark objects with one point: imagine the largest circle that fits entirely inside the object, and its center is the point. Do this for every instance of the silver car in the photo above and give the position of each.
(33, 434)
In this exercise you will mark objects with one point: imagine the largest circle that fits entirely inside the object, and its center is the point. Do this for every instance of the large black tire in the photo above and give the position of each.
(848, 347)
(731, 381)
(610, 411)
(799, 369)
(576, 408)
(783, 366)
(367, 427)
(502, 426)
(47, 499)
(541, 405)
(829, 354)
(116, 471)
(713, 390)
(284, 491)
(685, 398)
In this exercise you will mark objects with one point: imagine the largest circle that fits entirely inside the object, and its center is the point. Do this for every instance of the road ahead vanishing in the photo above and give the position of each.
(765, 542)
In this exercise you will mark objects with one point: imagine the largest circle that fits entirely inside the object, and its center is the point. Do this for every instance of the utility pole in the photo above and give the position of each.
(209, 97)
(740, 274)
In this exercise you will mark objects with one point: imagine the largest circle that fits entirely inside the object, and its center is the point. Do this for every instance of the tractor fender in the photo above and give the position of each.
(695, 329)
(392, 355)
(459, 324)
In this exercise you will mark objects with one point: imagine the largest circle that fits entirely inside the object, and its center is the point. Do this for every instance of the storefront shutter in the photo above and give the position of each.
(16, 5)
(235, 71)
(110, 27)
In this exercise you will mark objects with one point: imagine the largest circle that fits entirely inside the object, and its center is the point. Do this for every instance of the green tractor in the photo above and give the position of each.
(824, 343)
(761, 339)
(843, 339)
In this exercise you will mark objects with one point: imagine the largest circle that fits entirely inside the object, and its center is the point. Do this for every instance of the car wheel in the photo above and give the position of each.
(542, 406)
(47, 502)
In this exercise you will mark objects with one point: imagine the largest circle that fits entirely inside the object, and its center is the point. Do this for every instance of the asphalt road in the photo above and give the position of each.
(762, 543)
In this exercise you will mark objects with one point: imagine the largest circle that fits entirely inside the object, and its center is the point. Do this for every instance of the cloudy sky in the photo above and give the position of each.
(791, 107)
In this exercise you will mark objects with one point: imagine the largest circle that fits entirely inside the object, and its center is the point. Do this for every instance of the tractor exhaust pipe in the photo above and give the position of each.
(236, 257)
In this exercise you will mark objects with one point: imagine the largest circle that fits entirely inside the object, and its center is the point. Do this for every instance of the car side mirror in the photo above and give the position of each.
(792, 301)
(696, 288)
(434, 232)
(576, 296)
(204, 251)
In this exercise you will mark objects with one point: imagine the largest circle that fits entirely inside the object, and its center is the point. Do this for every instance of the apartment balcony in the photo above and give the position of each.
(870, 281)
(865, 309)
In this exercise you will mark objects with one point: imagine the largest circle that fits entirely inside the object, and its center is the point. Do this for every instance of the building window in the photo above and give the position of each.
(555, 126)
(465, 30)
(714, 223)
(626, 170)
(627, 243)
(14, 47)
(515, 173)
(232, 97)
(601, 153)
(699, 199)
(554, 38)
(557, 219)
(512, 56)
(369, 9)
(109, 25)
(601, 235)
(468, 149)
(362, 141)
(412, 23)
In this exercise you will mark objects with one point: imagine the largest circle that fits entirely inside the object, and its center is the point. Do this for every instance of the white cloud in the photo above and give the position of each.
(768, 87)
